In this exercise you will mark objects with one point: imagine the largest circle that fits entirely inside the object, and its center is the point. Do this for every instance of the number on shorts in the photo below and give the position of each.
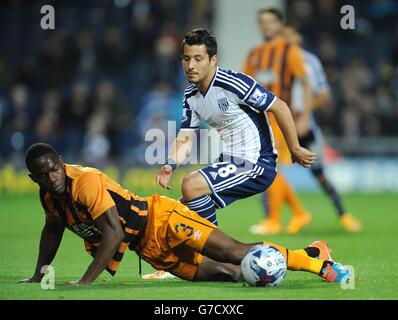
(227, 170)
(184, 228)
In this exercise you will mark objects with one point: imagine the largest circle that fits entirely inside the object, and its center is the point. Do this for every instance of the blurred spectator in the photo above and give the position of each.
(58, 60)
(167, 48)
(119, 120)
(75, 113)
(350, 125)
(15, 123)
(159, 107)
(28, 73)
(46, 129)
(112, 53)
(96, 144)
(87, 57)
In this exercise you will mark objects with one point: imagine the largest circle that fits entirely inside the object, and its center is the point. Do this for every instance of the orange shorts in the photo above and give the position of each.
(284, 156)
(174, 237)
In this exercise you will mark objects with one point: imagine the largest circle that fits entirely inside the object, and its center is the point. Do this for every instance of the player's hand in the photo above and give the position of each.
(164, 176)
(76, 283)
(30, 280)
(303, 157)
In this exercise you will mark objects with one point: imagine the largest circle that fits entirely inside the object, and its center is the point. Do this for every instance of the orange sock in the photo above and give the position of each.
(292, 198)
(297, 261)
(276, 197)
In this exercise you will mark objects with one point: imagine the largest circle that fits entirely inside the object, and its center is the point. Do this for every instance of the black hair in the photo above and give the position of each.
(38, 150)
(276, 12)
(201, 36)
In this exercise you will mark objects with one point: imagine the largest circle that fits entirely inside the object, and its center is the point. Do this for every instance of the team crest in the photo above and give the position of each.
(223, 104)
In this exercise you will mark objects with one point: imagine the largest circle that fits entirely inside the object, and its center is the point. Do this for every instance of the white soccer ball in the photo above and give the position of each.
(263, 266)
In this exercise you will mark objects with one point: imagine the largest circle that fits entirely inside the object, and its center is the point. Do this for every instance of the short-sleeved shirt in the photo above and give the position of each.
(275, 64)
(234, 105)
(317, 78)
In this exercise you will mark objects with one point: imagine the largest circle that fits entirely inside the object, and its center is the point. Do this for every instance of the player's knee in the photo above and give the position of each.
(190, 187)
(186, 186)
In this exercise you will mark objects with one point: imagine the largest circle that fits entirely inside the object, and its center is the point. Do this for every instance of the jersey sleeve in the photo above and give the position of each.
(254, 94)
(91, 192)
(190, 119)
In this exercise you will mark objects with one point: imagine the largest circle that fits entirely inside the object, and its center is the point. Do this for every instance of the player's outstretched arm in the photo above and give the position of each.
(285, 121)
(50, 240)
(112, 235)
(179, 152)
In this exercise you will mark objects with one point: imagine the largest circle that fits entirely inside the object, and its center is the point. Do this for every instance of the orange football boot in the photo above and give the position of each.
(324, 250)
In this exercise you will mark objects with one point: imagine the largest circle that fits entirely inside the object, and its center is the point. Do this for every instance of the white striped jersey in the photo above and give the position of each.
(316, 76)
(234, 105)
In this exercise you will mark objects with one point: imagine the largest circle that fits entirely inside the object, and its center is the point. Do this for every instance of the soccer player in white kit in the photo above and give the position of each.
(236, 105)
(313, 139)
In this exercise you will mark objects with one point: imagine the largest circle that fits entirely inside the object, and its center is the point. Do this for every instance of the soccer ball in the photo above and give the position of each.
(263, 266)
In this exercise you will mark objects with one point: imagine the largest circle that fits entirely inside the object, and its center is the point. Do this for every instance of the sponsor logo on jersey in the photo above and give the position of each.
(224, 123)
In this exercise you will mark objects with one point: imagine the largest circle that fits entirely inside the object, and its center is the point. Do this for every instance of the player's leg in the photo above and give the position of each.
(348, 222)
(300, 216)
(196, 196)
(278, 193)
(273, 199)
(178, 236)
(329, 189)
(210, 270)
(222, 248)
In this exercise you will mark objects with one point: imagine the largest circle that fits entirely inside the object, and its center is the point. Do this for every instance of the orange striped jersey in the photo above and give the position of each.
(89, 194)
(275, 64)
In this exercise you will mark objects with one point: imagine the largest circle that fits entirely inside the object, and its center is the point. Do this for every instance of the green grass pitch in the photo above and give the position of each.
(372, 253)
